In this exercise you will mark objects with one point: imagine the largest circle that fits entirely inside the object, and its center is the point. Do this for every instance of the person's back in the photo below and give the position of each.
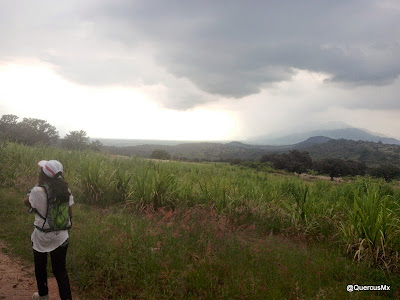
(45, 237)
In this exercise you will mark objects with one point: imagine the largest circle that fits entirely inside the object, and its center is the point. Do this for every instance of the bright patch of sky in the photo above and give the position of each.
(35, 90)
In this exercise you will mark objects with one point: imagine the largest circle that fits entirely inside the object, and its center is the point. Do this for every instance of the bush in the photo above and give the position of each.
(388, 172)
(160, 154)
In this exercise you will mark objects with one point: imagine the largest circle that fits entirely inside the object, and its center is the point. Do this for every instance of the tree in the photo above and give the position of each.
(10, 120)
(354, 168)
(76, 140)
(160, 154)
(278, 161)
(33, 131)
(331, 166)
(294, 161)
(337, 167)
(388, 172)
(8, 127)
(95, 145)
(297, 161)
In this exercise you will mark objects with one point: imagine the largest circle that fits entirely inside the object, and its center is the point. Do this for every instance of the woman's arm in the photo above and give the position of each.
(70, 212)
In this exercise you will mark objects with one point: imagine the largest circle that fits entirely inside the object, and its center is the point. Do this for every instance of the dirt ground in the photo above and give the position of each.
(17, 280)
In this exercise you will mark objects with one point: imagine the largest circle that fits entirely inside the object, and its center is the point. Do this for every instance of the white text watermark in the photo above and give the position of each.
(357, 288)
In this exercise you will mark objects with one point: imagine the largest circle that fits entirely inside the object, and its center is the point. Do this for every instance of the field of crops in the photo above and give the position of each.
(152, 229)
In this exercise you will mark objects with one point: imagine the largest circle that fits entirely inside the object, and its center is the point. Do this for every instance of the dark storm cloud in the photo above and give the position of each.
(228, 48)
(233, 48)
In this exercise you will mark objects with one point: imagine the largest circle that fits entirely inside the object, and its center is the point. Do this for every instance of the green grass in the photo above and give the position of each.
(163, 230)
(14, 228)
(190, 254)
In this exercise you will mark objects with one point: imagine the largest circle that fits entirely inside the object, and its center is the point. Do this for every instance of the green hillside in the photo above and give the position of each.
(372, 154)
(198, 151)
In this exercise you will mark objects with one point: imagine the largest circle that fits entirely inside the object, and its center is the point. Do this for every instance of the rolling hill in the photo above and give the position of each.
(319, 147)
(350, 133)
(372, 154)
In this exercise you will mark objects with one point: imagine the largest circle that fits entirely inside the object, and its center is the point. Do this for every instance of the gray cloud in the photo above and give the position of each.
(234, 48)
(227, 48)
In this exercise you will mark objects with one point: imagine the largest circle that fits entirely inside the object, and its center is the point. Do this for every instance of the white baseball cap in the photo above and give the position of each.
(51, 167)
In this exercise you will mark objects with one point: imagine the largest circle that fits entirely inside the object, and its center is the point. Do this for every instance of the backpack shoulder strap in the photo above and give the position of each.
(38, 213)
(47, 191)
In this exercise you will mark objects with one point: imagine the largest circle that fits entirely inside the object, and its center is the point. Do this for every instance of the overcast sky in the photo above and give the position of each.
(201, 70)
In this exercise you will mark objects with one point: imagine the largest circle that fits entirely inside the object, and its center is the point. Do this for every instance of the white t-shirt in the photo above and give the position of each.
(45, 241)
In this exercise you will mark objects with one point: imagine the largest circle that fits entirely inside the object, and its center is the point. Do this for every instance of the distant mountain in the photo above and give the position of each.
(315, 140)
(240, 145)
(372, 154)
(355, 134)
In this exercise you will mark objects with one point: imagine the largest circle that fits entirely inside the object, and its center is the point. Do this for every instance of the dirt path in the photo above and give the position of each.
(17, 281)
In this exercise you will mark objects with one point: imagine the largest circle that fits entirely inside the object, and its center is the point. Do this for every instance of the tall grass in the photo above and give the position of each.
(195, 253)
(362, 215)
(372, 229)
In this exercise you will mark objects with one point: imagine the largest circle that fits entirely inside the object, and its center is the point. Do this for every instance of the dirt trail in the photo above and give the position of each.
(17, 281)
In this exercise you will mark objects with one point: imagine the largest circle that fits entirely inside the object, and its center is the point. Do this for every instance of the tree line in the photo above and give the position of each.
(31, 131)
(300, 162)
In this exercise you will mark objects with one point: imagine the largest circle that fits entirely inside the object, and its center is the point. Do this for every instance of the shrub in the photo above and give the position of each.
(160, 154)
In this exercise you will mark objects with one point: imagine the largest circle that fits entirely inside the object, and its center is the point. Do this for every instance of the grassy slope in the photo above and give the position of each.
(190, 254)
(217, 242)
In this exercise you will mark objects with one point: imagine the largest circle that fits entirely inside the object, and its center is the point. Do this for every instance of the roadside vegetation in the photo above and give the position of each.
(158, 230)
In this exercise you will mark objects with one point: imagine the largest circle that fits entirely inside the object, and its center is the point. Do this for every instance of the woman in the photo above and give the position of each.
(44, 238)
